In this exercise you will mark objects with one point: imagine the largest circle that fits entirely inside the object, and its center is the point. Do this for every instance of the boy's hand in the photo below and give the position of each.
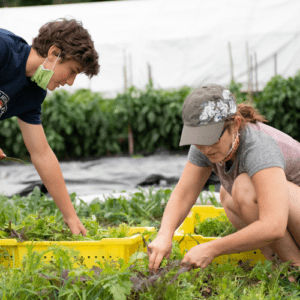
(2, 155)
(75, 226)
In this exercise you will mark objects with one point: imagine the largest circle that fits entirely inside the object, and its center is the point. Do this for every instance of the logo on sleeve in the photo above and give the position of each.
(4, 99)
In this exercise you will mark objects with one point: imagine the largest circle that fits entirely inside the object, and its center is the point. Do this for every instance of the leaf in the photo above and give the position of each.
(138, 283)
(180, 271)
(152, 279)
(206, 292)
(13, 159)
(245, 265)
(136, 256)
(120, 291)
(96, 270)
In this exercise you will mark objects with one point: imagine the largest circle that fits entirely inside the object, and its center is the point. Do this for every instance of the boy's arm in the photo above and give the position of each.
(47, 166)
(2, 155)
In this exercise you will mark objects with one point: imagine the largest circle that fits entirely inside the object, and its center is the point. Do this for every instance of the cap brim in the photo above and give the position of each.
(202, 135)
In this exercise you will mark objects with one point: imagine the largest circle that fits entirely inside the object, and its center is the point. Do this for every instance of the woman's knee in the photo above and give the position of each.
(243, 192)
(226, 199)
(223, 195)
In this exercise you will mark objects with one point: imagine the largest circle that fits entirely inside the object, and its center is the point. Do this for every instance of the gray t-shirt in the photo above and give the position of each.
(261, 147)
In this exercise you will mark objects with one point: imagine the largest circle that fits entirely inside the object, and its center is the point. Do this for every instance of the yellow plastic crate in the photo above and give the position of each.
(188, 226)
(12, 252)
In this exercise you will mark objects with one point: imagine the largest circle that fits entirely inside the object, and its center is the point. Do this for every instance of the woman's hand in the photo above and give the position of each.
(158, 249)
(199, 256)
(75, 226)
(2, 155)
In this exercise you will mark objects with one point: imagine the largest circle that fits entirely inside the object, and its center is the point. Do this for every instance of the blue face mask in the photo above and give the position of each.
(43, 76)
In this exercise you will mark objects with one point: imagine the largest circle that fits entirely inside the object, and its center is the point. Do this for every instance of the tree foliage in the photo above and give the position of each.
(280, 103)
(16, 3)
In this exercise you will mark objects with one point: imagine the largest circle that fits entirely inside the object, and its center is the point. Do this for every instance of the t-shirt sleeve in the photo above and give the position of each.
(196, 157)
(261, 154)
(3, 50)
(32, 116)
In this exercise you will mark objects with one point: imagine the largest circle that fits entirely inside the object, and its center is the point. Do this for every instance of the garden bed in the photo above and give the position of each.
(123, 277)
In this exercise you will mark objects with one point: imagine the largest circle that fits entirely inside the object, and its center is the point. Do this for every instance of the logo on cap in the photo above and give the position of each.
(218, 111)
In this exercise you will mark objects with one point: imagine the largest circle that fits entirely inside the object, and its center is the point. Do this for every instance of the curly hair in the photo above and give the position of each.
(72, 39)
(248, 114)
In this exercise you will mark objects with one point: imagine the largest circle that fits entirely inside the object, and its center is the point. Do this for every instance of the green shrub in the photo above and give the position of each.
(79, 124)
(279, 102)
(11, 140)
(83, 124)
(235, 89)
(154, 116)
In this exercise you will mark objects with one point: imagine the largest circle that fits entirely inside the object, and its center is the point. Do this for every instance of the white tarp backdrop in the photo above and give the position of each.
(186, 42)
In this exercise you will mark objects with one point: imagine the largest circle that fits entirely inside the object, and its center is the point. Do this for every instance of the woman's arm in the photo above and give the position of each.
(183, 197)
(273, 204)
(181, 200)
(47, 165)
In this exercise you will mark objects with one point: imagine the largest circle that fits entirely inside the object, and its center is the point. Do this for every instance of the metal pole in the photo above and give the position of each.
(130, 140)
(256, 75)
(130, 135)
(231, 61)
(130, 70)
(248, 67)
(150, 75)
(125, 71)
(251, 74)
(249, 98)
(275, 63)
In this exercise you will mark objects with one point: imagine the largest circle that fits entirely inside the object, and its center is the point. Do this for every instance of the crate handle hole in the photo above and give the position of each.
(254, 252)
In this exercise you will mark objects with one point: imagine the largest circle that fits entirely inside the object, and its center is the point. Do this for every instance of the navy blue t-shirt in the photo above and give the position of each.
(19, 96)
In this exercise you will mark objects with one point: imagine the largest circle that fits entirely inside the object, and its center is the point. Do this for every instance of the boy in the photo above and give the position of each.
(62, 49)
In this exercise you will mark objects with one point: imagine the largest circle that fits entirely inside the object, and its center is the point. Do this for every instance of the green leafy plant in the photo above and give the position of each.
(133, 280)
(280, 103)
(210, 198)
(35, 228)
(214, 227)
(84, 124)
(154, 116)
(235, 89)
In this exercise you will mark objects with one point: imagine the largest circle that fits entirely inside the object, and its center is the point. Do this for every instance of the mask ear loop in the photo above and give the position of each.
(56, 60)
(233, 148)
(54, 63)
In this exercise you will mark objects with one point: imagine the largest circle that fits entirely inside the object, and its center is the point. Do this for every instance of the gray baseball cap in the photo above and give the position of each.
(204, 113)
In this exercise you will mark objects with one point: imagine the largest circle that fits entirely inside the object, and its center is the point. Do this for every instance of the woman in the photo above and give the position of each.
(62, 50)
(259, 169)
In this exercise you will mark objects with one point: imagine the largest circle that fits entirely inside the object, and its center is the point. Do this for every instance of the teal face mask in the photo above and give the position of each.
(43, 76)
